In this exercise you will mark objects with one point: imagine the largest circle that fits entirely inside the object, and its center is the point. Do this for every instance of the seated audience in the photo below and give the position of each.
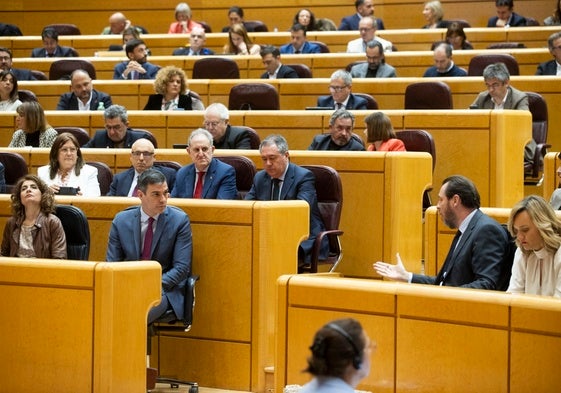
(172, 92)
(33, 231)
(206, 177)
(117, 133)
(9, 98)
(51, 48)
(33, 129)
(363, 8)
(137, 67)
(239, 42)
(235, 16)
(537, 262)
(443, 63)
(367, 29)
(2, 179)
(306, 19)
(197, 40)
(130, 33)
(83, 96)
(67, 173)
(299, 44)
(274, 69)
(184, 24)
(505, 16)
(552, 67)
(375, 66)
(224, 135)
(341, 97)
(380, 134)
(456, 37)
(118, 23)
(555, 18)
(6, 65)
(142, 158)
(341, 136)
(433, 14)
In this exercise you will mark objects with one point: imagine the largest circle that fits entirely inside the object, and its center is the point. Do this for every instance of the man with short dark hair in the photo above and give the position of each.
(363, 8)
(375, 66)
(6, 65)
(299, 44)
(83, 96)
(505, 16)
(443, 63)
(137, 67)
(51, 48)
(552, 67)
(340, 135)
(274, 68)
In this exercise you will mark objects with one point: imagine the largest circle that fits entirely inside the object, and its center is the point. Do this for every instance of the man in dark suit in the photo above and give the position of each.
(197, 40)
(117, 133)
(299, 44)
(363, 8)
(505, 16)
(340, 135)
(224, 135)
(206, 177)
(341, 96)
(479, 254)
(6, 65)
(281, 180)
(552, 67)
(83, 97)
(137, 67)
(169, 243)
(51, 48)
(142, 158)
(2, 179)
(273, 67)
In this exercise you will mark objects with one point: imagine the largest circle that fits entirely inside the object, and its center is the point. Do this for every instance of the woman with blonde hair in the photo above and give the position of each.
(172, 92)
(537, 261)
(433, 14)
(380, 134)
(33, 128)
(239, 42)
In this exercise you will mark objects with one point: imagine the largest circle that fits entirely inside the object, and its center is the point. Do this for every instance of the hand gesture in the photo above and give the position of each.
(395, 272)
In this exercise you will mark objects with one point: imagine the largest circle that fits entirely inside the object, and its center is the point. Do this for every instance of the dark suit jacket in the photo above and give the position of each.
(185, 52)
(219, 183)
(122, 182)
(479, 260)
(151, 71)
(324, 142)
(308, 47)
(547, 68)
(515, 20)
(61, 51)
(299, 183)
(155, 102)
(2, 179)
(355, 102)
(432, 72)
(171, 247)
(23, 75)
(68, 101)
(234, 138)
(285, 72)
(100, 139)
(516, 100)
(351, 23)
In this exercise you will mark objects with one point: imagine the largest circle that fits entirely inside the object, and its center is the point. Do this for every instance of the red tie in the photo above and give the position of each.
(148, 240)
(199, 186)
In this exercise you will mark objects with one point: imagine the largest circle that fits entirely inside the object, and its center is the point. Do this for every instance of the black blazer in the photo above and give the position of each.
(515, 20)
(285, 72)
(122, 182)
(61, 51)
(155, 102)
(547, 68)
(23, 74)
(100, 139)
(234, 138)
(68, 101)
(354, 102)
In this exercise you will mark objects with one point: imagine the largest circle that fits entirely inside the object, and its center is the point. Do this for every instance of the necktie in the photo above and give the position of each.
(135, 189)
(199, 186)
(338, 105)
(447, 263)
(134, 75)
(148, 240)
(298, 52)
(275, 194)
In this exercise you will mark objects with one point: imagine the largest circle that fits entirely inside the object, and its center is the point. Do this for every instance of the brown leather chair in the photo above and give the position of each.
(322, 46)
(149, 136)
(506, 45)
(254, 140)
(168, 164)
(245, 171)
(351, 65)
(462, 22)
(26, 96)
(61, 69)
(531, 21)
(253, 96)
(81, 135)
(205, 26)
(538, 108)
(215, 68)
(371, 102)
(64, 28)
(428, 95)
(77, 231)
(329, 192)
(478, 63)
(302, 70)
(39, 75)
(255, 26)
(14, 168)
(104, 176)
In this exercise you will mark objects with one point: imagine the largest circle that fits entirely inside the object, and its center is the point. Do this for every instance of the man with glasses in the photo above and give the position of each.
(137, 67)
(6, 65)
(142, 158)
(375, 66)
(117, 133)
(197, 40)
(367, 29)
(225, 136)
(552, 67)
(341, 96)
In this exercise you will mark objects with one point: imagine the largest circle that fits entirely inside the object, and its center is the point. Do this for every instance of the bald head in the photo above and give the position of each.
(142, 155)
(117, 23)
(81, 85)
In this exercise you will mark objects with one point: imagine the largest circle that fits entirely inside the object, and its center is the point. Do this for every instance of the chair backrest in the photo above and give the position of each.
(76, 230)
(256, 26)
(169, 164)
(418, 140)
(81, 134)
(39, 75)
(531, 21)
(64, 28)
(148, 136)
(506, 45)
(253, 96)
(254, 139)
(61, 69)
(478, 63)
(302, 70)
(215, 68)
(538, 108)
(9, 30)
(329, 192)
(245, 171)
(371, 103)
(323, 48)
(428, 95)
(26, 96)
(104, 176)
(462, 22)
(14, 168)
(205, 26)
(351, 65)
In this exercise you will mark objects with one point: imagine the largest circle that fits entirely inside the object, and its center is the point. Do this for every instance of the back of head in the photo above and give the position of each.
(378, 127)
(465, 189)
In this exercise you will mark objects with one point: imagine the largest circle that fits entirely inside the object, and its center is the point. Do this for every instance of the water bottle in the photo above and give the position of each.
(101, 107)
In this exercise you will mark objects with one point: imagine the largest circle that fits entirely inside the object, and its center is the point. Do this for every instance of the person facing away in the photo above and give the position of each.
(197, 41)
(6, 65)
(375, 66)
(505, 16)
(363, 8)
(206, 177)
(341, 97)
(537, 262)
(478, 256)
(380, 134)
(367, 30)
(184, 24)
(282, 180)
(340, 359)
(274, 69)
(83, 96)
(51, 48)
(552, 67)
(298, 43)
(33, 129)
(172, 92)
(142, 158)
(137, 67)
(340, 136)
(443, 63)
(225, 136)
(158, 232)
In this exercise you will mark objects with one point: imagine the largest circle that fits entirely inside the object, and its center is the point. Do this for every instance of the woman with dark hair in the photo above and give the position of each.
(340, 358)
(172, 92)
(33, 231)
(33, 128)
(239, 42)
(555, 18)
(456, 37)
(9, 98)
(380, 134)
(306, 18)
(67, 173)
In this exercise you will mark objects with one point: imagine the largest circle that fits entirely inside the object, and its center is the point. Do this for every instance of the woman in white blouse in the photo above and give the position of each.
(67, 169)
(537, 261)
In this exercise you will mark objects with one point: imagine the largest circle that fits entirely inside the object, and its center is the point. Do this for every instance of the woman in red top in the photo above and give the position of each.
(184, 23)
(380, 134)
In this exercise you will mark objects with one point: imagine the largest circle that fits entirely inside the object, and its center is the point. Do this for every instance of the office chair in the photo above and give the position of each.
(76, 230)
(61, 69)
(428, 95)
(245, 171)
(104, 176)
(81, 134)
(253, 96)
(478, 63)
(538, 108)
(14, 168)
(215, 68)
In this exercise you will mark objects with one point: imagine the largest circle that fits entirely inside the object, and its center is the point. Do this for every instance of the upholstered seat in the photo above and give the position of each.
(76, 230)
(215, 68)
(478, 63)
(371, 102)
(245, 171)
(322, 46)
(81, 134)
(538, 108)
(61, 69)
(104, 176)
(428, 95)
(64, 28)
(26, 95)
(14, 168)
(302, 70)
(255, 26)
(253, 96)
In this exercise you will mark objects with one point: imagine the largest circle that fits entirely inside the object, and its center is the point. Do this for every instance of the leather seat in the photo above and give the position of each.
(81, 135)
(302, 70)
(76, 230)
(64, 28)
(61, 69)
(26, 96)
(255, 26)
(253, 96)
(428, 95)
(14, 168)
(215, 68)
(245, 171)
(322, 46)
(478, 63)
(371, 102)
(104, 176)
(538, 108)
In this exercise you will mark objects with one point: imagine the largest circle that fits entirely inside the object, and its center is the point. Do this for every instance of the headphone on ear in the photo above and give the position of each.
(357, 358)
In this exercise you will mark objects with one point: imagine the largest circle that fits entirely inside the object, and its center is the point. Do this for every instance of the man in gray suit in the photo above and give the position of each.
(375, 66)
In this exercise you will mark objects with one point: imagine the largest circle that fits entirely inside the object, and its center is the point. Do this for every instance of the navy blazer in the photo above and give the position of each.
(285, 72)
(155, 102)
(351, 22)
(101, 140)
(122, 182)
(547, 68)
(171, 247)
(234, 138)
(151, 71)
(515, 20)
(308, 47)
(354, 102)
(185, 52)
(480, 259)
(23, 74)
(61, 51)
(432, 72)
(219, 183)
(69, 101)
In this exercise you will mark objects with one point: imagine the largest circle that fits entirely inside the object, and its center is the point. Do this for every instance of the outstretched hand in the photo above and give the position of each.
(395, 272)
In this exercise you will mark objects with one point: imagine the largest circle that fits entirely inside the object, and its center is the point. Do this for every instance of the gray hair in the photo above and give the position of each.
(219, 108)
(341, 114)
(183, 8)
(115, 111)
(496, 71)
(344, 75)
(278, 140)
(200, 131)
(552, 39)
(436, 7)
(447, 48)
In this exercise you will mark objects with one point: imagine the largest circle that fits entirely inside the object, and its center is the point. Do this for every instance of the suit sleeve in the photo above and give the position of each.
(107, 101)
(115, 252)
(314, 144)
(113, 187)
(362, 104)
(92, 184)
(344, 25)
(228, 188)
(181, 260)
(243, 141)
(63, 102)
(252, 194)
(522, 104)
(118, 72)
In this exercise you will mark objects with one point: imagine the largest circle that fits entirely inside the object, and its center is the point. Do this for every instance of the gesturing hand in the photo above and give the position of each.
(395, 272)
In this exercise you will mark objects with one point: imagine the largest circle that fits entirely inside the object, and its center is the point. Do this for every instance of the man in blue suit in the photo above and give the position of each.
(274, 69)
(206, 177)
(169, 243)
(292, 182)
(137, 67)
(363, 8)
(197, 40)
(341, 96)
(2, 179)
(6, 65)
(142, 158)
(552, 67)
(505, 16)
(299, 44)
(83, 96)
(51, 48)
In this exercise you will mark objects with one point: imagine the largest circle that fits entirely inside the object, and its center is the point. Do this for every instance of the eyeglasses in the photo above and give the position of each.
(211, 124)
(552, 48)
(493, 85)
(4, 58)
(116, 127)
(71, 150)
(337, 88)
(365, 29)
(142, 153)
